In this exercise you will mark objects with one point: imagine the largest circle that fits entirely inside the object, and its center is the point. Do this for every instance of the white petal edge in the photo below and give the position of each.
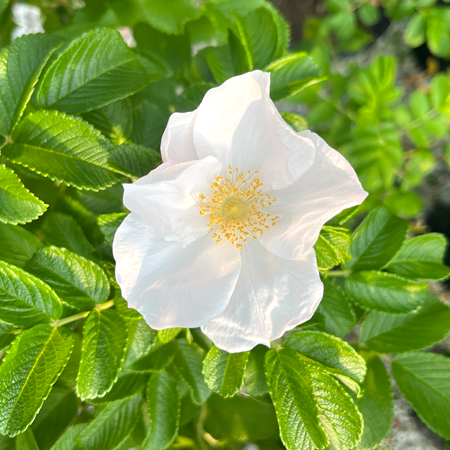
(272, 295)
(177, 142)
(168, 200)
(239, 124)
(169, 285)
(327, 188)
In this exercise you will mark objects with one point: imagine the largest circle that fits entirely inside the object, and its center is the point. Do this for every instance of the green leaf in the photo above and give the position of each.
(6, 337)
(164, 410)
(112, 426)
(223, 371)
(424, 380)
(104, 341)
(127, 385)
(387, 333)
(17, 203)
(159, 357)
(376, 404)
(332, 246)
(56, 414)
(141, 340)
(27, 373)
(291, 74)
(376, 240)
(254, 377)
(3, 5)
(78, 281)
(381, 291)
(115, 120)
(20, 67)
(134, 160)
(369, 14)
(68, 440)
(188, 361)
(168, 334)
(24, 299)
(94, 70)
(64, 148)
(149, 125)
(422, 258)
(26, 441)
(295, 121)
(438, 39)
(291, 390)
(414, 34)
(18, 244)
(62, 230)
(439, 90)
(336, 310)
(108, 224)
(328, 350)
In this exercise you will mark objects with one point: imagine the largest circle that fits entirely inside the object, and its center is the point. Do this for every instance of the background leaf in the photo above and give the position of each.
(18, 244)
(134, 160)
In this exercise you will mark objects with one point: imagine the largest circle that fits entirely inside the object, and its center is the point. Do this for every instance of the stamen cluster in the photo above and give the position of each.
(235, 208)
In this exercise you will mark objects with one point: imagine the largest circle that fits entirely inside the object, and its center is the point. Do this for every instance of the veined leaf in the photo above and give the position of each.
(104, 341)
(332, 246)
(376, 404)
(291, 74)
(188, 361)
(167, 335)
(421, 257)
(158, 357)
(24, 299)
(64, 148)
(376, 240)
(134, 160)
(127, 385)
(164, 411)
(112, 426)
(291, 390)
(329, 351)
(223, 371)
(78, 281)
(27, 373)
(6, 337)
(94, 70)
(424, 379)
(141, 340)
(388, 333)
(381, 291)
(17, 203)
(254, 377)
(68, 440)
(18, 244)
(20, 67)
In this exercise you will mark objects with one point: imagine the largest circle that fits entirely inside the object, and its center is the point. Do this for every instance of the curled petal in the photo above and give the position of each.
(272, 295)
(169, 285)
(238, 123)
(328, 187)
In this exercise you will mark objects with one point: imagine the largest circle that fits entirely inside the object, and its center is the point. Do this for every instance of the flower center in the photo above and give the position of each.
(235, 208)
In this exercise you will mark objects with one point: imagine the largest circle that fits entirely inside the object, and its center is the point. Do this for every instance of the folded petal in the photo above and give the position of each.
(177, 141)
(169, 285)
(272, 295)
(168, 200)
(238, 123)
(328, 187)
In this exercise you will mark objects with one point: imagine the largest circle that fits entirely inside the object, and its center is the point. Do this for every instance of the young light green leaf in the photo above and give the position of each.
(254, 376)
(94, 70)
(112, 426)
(62, 230)
(134, 160)
(64, 148)
(68, 440)
(24, 299)
(188, 361)
(18, 244)
(165, 336)
(388, 333)
(376, 404)
(115, 120)
(27, 373)
(332, 246)
(424, 380)
(164, 410)
(381, 291)
(20, 67)
(290, 387)
(329, 351)
(439, 90)
(295, 121)
(17, 203)
(56, 414)
(104, 342)
(291, 74)
(414, 34)
(421, 257)
(79, 282)
(337, 310)
(376, 240)
(223, 371)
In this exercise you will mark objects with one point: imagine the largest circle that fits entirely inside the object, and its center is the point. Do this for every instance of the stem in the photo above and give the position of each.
(339, 273)
(386, 358)
(200, 429)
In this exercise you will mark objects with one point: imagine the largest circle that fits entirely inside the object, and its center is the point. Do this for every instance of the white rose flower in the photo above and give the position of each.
(221, 235)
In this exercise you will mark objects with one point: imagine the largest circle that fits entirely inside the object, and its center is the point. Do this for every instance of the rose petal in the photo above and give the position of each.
(238, 123)
(272, 295)
(169, 285)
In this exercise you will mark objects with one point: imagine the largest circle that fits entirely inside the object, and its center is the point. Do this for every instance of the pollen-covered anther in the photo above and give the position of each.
(235, 208)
